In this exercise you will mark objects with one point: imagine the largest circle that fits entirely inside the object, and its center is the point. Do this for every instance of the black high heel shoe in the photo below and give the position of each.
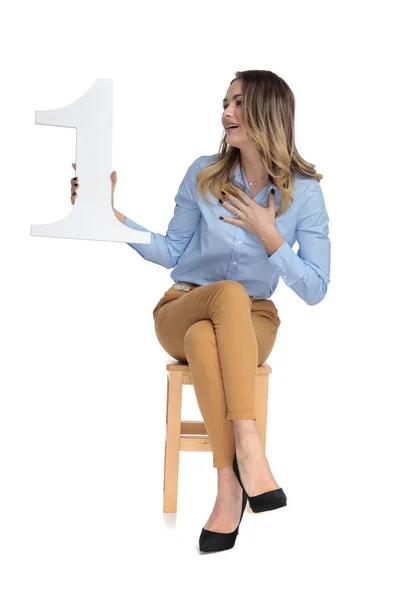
(266, 501)
(214, 541)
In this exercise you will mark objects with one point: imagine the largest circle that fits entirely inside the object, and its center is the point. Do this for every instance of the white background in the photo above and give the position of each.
(83, 383)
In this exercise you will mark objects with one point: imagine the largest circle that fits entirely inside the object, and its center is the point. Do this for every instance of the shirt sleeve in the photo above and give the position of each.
(165, 250)
(307, 273)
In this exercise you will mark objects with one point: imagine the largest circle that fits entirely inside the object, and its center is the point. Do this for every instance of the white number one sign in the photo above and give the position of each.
(92, 216)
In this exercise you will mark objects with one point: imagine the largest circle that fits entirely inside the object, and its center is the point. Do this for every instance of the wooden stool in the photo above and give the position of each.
(192, 435)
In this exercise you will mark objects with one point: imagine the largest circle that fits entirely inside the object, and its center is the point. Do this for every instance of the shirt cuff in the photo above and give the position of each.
(138, 227)
(288, 264)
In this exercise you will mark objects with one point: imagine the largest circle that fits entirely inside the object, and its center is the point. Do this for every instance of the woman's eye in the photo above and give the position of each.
(238, 102)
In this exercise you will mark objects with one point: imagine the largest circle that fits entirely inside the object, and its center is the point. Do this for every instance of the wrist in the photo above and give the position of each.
(271, 240)
(119, 216)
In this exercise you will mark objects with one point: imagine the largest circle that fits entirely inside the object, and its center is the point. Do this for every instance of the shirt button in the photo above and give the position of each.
(239, 241)
(235, 263)
(284, 277)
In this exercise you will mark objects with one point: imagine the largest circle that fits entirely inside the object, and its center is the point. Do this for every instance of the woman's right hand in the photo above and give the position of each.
(75, 185)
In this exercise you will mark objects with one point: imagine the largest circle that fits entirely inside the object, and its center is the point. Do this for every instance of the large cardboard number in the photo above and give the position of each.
(91, 217)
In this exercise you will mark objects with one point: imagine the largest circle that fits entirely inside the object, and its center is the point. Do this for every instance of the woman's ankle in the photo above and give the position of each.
(246, 436)
(227, 481)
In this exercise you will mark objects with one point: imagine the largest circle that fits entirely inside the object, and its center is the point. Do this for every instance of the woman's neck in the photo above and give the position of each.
(253, 168)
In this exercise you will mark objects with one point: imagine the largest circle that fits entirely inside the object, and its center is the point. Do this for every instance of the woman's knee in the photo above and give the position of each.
(231, 286)
(232, 289)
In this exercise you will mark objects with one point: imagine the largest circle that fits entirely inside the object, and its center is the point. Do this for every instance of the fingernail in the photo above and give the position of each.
(273, 191)
(223, 193)
(220, 201)
(221, 217)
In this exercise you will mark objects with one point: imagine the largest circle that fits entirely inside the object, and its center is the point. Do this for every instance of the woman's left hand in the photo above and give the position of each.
(256, 219)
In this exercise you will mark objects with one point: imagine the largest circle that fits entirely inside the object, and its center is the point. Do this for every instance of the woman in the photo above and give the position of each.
(227, 258)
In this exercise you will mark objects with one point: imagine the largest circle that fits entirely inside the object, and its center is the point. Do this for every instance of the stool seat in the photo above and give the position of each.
(192, 435)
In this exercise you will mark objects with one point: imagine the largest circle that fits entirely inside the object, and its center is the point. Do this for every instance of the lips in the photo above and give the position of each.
(231, 129)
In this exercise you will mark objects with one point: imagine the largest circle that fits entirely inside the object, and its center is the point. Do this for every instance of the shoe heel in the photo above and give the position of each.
(263, 502)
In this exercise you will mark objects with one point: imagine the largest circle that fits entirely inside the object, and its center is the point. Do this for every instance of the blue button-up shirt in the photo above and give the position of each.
(202, 249)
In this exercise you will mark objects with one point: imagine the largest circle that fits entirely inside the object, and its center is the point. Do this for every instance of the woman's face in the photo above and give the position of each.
(232, 114)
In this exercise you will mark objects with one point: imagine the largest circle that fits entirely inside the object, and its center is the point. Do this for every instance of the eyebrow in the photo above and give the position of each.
(233, 97)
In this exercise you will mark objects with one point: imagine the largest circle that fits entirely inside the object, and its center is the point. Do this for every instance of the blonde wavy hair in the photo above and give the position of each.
(268, 106)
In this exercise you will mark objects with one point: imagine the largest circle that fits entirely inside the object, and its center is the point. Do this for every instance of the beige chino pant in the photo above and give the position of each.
(224, 335)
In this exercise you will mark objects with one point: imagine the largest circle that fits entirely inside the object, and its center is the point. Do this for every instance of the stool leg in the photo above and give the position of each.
(172, 440)
(261, 411)
(262, 407)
